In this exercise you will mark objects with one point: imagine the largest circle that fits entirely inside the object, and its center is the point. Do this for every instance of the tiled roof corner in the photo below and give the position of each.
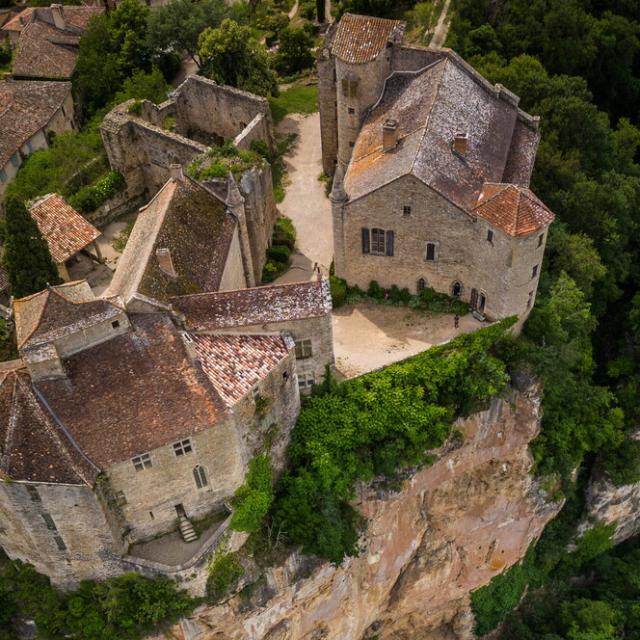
(360, 39)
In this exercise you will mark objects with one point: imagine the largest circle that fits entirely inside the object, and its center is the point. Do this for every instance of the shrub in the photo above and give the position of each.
(271, 270)
(280, 253)
(89, 198)
(224, 572)
(253, 499)
(375, 290)
(284, 232)
(338, 291)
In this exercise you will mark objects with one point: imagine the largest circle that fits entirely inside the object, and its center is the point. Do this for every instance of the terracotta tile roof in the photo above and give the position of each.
(432, 106)
(516, 210)
(64, 229)
(32, 447)
(360, 39)
(234, 364)
(260, 305)
(25, 108)
(194, 225)
(137, 392)
(43, 50)
(57, 311)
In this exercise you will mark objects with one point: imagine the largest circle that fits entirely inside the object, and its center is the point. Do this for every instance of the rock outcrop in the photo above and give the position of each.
(446, 531)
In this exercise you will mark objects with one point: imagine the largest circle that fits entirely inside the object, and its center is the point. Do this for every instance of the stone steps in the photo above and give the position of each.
(186, 529)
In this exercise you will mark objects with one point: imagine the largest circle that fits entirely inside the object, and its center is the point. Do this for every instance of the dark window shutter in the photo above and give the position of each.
(365, 240)
(345, 87)
(389, 243)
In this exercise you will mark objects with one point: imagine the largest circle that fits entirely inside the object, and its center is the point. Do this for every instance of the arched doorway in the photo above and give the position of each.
(456, 289)
(421, 285)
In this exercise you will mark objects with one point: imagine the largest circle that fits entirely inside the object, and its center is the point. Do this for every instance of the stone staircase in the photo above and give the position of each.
(186, 529)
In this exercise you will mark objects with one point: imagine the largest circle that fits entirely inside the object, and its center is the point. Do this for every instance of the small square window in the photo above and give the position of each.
(183, 447)
(406, 210)
(303, 349)
(489, 235)
(534, 271)
(351, 110)
(115, 324)
(351, 144)
(306, 380)
(142, 462)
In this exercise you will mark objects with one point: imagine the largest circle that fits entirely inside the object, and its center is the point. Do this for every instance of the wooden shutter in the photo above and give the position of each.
(345, 87)
(389, 243)
(365, 240)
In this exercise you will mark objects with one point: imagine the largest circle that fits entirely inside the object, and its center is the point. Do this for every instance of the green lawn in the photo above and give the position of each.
(298, 99)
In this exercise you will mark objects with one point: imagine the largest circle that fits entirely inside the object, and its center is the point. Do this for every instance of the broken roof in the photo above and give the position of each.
(432, 106)
(25, 108)
(57, 311)
(235, 364)
(44, 50)
(137, 392)
(259, 305)
(515, 210)
(64, 229)
(360, 39)
(193, 224)
(32, 446)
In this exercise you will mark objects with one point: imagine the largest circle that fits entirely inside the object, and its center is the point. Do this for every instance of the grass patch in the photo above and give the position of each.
(298, 99)
(217, 162)
(120, 241)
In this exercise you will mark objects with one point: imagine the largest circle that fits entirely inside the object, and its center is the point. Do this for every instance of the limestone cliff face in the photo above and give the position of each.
(448, 530)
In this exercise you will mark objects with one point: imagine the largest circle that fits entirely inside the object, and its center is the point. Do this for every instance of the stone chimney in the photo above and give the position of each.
(176, 172)
(58, 16)
(389, 134)
(165, 262)
(460, 144)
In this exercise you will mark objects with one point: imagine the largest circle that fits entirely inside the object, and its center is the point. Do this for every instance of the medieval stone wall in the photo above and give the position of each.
(501, 269)
(327, 104)
(90, 551)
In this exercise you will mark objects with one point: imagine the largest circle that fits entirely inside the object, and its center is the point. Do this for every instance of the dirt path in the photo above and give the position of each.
(442, 27)
(293, 11)
(305, 201)
(369, 336)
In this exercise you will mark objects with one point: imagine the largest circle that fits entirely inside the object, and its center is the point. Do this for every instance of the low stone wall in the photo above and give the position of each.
(113, 208)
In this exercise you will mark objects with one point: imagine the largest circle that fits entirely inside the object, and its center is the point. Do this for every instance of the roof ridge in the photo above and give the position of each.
(495, 195)
(46, 293)
(256, 288)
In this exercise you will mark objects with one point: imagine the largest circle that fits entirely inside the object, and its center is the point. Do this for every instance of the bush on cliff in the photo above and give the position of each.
(378, 425)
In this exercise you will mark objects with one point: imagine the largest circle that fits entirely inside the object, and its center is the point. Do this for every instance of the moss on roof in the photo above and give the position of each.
(218, 161)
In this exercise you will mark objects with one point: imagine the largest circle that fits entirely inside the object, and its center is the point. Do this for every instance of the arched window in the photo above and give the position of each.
(456, 289)
(421, 285)
(200, 476)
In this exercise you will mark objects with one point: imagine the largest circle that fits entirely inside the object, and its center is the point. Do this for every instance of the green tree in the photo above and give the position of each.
(253, 499)
(231, 55)
(179, 23)
(144, 86)
(585, 619)
(294, 51)
(26, 254)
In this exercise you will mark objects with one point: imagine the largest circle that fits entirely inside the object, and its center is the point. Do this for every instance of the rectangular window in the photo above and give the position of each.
(351, 110)
(534, 271)
(489, 235)
(200, 477)
(540, 239)
(303, 349)
(390, 241)
(142, 462)
(406, 211)
(33, 493)
(377, 241)
(115, 324)
(48, 520)
(306, 380)
(431, 254)
(530, 300)
(182, 448)
(345, 87)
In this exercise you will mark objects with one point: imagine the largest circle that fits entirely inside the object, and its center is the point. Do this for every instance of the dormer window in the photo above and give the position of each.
(460, 144)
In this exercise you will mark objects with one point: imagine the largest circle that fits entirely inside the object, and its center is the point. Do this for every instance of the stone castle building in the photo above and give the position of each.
(431, 167)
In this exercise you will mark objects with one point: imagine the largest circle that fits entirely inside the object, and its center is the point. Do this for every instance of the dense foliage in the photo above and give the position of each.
(90, 197)
(378, 425)
(224, 572)
(126, 607)
(294, 51)
(218, 162)
(26, 256)
(231, 55)
(283, 241)
(253, 499)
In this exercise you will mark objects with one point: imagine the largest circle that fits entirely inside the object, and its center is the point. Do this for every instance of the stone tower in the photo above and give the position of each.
(357, 58)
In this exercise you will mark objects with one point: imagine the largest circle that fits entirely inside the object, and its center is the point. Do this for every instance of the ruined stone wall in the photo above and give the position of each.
(91, 550)
(327, 104)
(233, 274)
(256, 130)
(211, 113)
(448, 530)
(501, 269)
(413, 58)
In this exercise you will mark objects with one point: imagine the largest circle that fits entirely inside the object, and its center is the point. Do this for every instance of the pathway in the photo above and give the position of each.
(305, 201)
(442, 27)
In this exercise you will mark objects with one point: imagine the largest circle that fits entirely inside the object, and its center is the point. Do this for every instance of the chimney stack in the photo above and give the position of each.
(165, 262)
(176, 172)
(58, 16)
(460, 144)
(389, 134)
